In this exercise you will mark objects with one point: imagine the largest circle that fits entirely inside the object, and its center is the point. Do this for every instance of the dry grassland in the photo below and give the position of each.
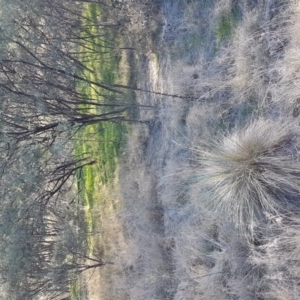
(209, 186)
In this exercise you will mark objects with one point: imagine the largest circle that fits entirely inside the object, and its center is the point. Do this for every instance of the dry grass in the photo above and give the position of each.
(146, 262)
(210, 186)
(109, 242)
(252, 174)
(241, 239)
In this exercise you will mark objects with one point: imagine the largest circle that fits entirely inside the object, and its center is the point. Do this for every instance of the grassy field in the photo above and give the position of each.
(102, 141)
(213, 208)
(210, 186)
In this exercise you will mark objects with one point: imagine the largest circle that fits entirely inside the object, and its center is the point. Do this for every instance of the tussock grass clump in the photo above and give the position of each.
(253, 173)
(278, 255)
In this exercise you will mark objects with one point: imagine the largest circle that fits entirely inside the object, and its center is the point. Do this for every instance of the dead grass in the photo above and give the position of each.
(210, 185)
(246, 90)
(251, 174)
(146, 261)
(109, 242)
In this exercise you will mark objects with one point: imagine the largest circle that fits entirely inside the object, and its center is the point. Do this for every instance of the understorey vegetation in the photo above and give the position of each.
(219, 219)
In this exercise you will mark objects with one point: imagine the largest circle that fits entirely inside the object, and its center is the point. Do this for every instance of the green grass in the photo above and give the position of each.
(101, 141)
(224, 28)
(74, 290)
(227, 23)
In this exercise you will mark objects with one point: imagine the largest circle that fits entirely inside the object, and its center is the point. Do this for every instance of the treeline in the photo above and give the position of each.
(42, 241)
(40, 66)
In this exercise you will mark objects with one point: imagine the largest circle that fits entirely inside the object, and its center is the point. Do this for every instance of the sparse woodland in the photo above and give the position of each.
(43, 234)
(204, 202)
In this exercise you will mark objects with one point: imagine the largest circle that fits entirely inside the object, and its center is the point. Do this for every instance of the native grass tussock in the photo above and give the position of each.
(253, 174)
(218, 215)
(144, 263)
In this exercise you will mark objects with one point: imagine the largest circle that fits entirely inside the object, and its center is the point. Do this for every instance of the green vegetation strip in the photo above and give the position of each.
(100, 141)
(228, 22)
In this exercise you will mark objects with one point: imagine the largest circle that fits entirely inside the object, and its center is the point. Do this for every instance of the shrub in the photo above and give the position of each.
(252, 174)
